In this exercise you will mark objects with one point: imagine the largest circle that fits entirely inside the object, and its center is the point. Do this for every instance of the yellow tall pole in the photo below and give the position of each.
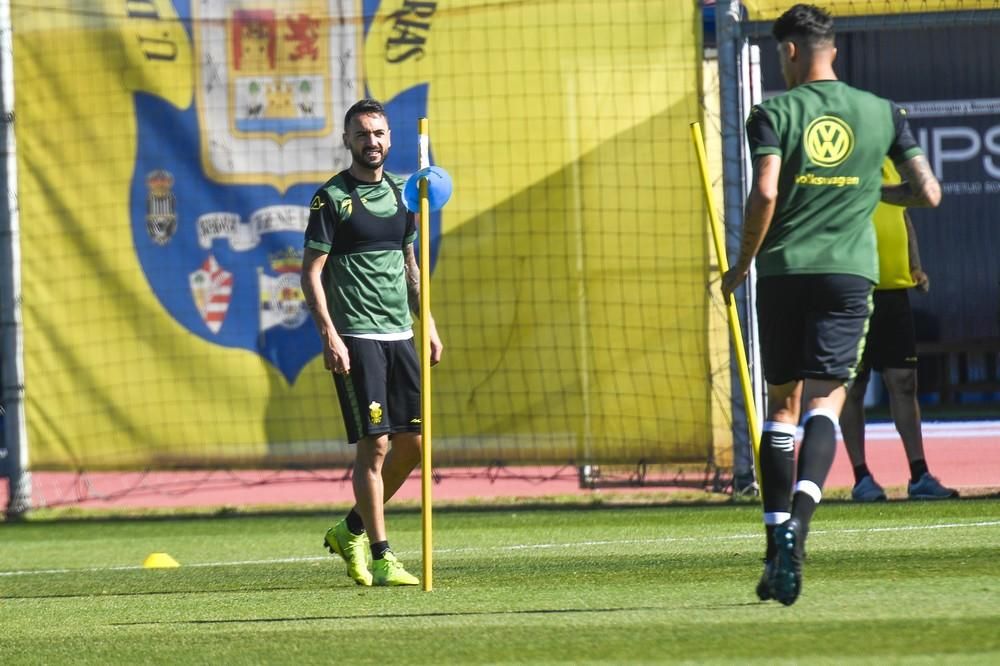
(423, 141)
(734, 320)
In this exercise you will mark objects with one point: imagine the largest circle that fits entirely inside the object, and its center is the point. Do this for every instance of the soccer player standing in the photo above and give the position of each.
(891, 349)
(817, 153)
(361, 282)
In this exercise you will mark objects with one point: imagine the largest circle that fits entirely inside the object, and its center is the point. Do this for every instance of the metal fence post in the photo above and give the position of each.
(14, 445)
(729, 40)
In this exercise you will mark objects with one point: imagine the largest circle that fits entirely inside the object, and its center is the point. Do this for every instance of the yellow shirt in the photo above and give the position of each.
(890, 232)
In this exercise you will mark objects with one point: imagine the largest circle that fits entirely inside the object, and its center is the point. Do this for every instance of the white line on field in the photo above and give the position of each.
(514, 547)
(730, 537)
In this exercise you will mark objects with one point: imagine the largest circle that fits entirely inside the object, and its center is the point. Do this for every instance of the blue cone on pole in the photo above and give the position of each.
(438, 189)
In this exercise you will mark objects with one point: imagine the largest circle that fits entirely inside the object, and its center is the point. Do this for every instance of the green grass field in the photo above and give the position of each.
(897, 582)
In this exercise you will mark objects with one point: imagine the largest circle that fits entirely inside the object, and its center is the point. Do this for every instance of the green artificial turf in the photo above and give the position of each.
(901, 582)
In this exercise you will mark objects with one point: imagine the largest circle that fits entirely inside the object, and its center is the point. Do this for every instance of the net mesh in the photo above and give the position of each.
(167, 154)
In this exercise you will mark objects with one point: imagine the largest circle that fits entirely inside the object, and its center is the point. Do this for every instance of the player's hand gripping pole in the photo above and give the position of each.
(734, 320)
(423, 142)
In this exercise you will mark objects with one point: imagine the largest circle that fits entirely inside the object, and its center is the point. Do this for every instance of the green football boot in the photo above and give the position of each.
(390, 572)
(353, 548)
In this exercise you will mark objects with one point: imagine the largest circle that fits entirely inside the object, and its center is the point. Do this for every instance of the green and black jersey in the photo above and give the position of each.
(831, 139)
(364, 228)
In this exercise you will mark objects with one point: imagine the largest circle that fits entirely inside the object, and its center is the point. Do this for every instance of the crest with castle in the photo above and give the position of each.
(288, 260)
(275, 56)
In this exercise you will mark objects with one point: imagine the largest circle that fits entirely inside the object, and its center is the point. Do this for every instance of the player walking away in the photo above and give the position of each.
(817, 152)
(891, 349)
(361, 282)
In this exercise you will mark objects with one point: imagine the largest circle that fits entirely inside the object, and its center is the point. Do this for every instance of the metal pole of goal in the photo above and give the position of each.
(13, 427)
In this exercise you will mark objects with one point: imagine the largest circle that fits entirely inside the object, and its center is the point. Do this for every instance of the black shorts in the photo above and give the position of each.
(891, 342)
(812, 326)
(381, 394)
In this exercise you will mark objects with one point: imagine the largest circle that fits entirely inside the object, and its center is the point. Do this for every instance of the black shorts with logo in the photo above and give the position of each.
(812, 326)
(891, 341)
(381, 394)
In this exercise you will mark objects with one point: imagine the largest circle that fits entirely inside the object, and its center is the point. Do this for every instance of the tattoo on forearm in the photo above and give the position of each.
(918, 187)
(756, 224)
(309, 296)
(751, 241)
(412, 276)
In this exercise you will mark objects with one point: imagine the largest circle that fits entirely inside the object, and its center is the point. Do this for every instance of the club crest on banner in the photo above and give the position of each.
(282, 302)
(275, 80)
(161, 207)
(221, 190)
(211, 288)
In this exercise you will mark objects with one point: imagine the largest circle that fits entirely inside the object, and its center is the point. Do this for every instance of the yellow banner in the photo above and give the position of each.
(167, 153)
(767, 10)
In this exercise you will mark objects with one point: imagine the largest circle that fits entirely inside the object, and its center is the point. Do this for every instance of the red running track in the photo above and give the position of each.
(962, 455)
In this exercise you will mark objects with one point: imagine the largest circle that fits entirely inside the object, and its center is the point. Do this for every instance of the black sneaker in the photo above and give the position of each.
(928, 487)
(786, 574)
(764, 584)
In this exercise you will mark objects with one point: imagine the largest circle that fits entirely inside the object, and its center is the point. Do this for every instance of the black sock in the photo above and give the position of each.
(803, 507)
(777, 460)
(819, 445)
(772, 548)
(354, 523)
(917, 469)
(860, 472)
(379, 549)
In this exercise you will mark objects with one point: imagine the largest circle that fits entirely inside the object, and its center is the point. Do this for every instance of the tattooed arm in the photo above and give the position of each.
(920, 188)
(411, 273)
(922, 282)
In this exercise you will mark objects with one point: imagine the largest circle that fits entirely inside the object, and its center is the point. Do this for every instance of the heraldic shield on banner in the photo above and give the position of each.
(220, 192)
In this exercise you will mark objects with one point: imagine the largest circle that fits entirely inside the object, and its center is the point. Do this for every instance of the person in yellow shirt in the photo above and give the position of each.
(890, 348)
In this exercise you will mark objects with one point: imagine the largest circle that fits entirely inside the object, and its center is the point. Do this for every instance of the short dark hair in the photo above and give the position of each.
(804, 23)
(363, 107)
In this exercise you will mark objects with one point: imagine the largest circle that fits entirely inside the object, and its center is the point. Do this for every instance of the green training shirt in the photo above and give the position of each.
(364, 228)
(831, 139)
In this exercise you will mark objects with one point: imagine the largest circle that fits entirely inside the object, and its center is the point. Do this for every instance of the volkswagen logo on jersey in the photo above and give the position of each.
(828, 141)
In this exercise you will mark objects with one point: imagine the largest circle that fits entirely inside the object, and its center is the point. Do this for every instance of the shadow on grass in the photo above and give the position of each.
(390, 616)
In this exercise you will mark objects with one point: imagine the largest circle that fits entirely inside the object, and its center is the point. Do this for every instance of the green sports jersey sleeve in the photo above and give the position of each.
(319, 229)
